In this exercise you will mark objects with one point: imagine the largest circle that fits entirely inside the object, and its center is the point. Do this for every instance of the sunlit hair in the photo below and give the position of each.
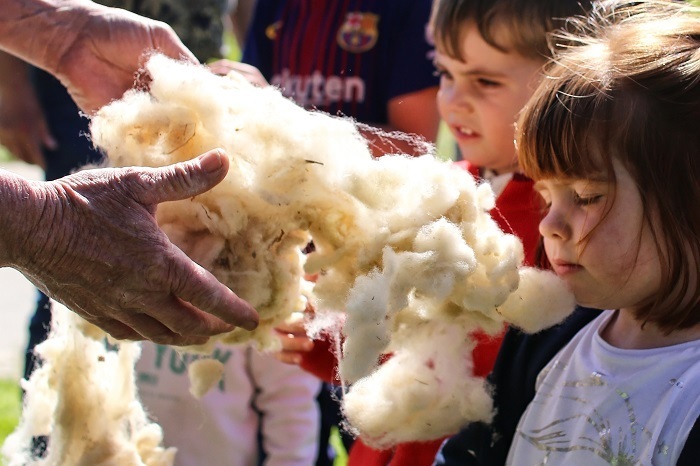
(630, 90)
(521, 26)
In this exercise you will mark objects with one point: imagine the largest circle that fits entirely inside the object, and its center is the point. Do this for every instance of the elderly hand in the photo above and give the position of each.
(90, 240)
(110, 45)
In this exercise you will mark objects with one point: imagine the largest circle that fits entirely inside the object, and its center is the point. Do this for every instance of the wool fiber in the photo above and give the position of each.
(404, 246)
(407, 258)
(83, 398)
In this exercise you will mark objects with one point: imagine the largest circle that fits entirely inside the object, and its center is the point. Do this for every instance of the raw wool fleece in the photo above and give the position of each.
(84, 398)
(405, 246)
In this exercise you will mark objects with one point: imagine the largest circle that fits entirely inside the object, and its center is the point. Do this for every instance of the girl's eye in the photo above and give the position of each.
(483, 82)
(545, 201)
(545, 208)
(586, 200)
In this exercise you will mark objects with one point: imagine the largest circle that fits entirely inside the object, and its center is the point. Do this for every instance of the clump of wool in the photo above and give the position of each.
(405, 247)
(83, 398)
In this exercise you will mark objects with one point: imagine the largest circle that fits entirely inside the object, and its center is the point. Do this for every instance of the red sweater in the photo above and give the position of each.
(517, 211)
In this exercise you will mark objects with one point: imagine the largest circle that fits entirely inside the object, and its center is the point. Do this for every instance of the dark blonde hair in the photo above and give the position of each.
(525, 23)
(630, 90)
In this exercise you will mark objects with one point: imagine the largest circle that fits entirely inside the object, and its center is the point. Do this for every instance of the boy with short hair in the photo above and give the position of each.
(490, 56)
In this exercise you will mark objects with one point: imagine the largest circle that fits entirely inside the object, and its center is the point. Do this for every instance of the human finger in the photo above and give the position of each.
(182, 180)
(151, 329)
(113, 327)
(294, 327)
(46, 138)
(167, 42)
(292, 342)
(33, 154)
(249, 72)
(140, 327)
(293, 347)
(26, 150)
(195, 285)
(185, 319)
(288, 358)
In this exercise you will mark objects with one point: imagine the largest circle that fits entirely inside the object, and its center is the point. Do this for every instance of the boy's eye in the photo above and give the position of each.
(441, 73)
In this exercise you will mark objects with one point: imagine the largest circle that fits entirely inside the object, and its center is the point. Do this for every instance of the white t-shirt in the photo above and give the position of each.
(601, 405)
(256, 392)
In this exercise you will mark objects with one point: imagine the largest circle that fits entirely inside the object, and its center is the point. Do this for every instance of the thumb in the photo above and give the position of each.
(185, 179)
(167, 42)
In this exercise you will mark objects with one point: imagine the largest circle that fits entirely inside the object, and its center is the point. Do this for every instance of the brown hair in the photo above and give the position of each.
(631, 90)
(526, 23)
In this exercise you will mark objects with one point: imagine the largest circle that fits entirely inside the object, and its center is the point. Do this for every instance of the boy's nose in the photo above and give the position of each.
(458, 98)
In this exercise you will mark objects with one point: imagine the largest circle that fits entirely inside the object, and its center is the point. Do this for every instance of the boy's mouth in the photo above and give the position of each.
(464, 132)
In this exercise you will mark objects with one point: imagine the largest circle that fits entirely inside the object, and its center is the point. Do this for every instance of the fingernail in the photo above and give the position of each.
(250, 325)
(211, 161)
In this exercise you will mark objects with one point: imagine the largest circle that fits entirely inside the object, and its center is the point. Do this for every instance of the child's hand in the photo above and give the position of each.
(249, 72)
(295, 342)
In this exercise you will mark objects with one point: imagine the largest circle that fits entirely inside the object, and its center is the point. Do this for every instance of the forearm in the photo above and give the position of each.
(39, 31)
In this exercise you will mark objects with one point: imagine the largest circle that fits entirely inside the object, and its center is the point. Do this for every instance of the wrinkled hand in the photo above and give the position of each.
(94, 245)
(23, 128)
(100, 64)
(249, 72)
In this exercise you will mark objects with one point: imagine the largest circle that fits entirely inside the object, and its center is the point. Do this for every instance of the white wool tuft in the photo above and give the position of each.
(84, 398)
(424, 391)
(405, 246)
(203, 375)
(402, 243)
(538, 290)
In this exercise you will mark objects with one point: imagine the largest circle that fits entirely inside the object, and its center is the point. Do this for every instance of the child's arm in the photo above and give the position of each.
(289, 412)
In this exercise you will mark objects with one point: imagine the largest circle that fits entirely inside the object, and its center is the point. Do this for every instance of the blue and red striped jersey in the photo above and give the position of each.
(344, 57)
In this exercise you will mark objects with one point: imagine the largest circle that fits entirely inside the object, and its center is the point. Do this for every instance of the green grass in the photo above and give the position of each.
(341, 458)
(10, 406)
(5, 155)
(445, 143)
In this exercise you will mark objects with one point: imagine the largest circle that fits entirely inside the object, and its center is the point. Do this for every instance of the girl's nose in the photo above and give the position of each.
(554, 225)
